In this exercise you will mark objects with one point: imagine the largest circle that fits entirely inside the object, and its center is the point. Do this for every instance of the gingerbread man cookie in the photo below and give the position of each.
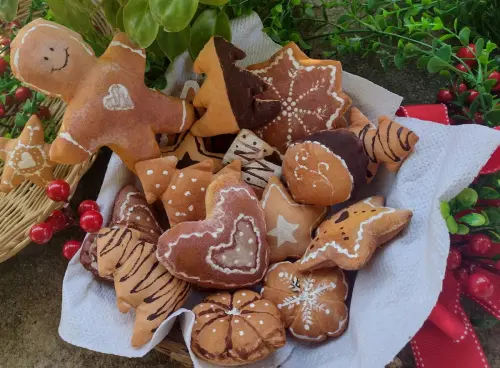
(230, 94)
(312, 304)
(389, 143)
(236, 329)
(141, 282)
(26, 157)
(325, 169)
(108, 102)
(310, 92)
(228, 249)
(289, 224)
(350, 237)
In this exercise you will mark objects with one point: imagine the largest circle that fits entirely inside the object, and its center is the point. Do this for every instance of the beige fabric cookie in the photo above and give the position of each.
(312, 304)
(236, 329)
(141, 282)
(289, 224)
(350, 237)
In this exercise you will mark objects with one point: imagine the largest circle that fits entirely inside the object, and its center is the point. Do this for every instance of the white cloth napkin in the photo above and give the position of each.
(392, 296)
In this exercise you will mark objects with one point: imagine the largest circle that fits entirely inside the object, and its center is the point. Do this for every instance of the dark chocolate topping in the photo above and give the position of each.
(350, 148)
(243, 88)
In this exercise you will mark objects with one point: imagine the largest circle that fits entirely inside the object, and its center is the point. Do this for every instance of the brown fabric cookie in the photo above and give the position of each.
(325, 169)
(289, 224)
(236, 329)
(349, 238)
(228, 249)
(230, 94)
(259, 160)
(26, 158)
(312, 304)
(108, 103)
(389, 143)
(310, 92)
(141, 282)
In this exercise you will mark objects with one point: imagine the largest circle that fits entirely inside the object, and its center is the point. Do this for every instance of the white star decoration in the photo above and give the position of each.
(283, 231)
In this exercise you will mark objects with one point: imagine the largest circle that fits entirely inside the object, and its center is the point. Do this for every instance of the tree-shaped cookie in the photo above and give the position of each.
(26, 157)
(230, 94)
(141, 282)
(389, 143)
(350, 237)
(108, 102)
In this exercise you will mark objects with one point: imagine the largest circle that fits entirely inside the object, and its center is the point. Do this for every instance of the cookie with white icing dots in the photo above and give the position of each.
(310, 92)
(326, 168)
(26, 157)
(312, 304)
(108, 103)
(389, 143)
(259, 160)
(289, 224)
(230, 94)
(236, 329)
(228, 249)
(141, 282)
(350, 237)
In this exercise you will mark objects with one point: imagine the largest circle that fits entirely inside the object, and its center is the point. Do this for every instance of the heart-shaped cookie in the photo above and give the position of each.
(226, 250)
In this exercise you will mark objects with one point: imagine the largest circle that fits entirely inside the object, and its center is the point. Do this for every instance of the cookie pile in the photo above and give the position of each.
(260, 173)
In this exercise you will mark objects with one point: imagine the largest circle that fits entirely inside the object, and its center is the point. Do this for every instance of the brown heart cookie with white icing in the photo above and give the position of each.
(230, 94)
(236, 329)
(312, 304)
(310, 92)
(228, 249)
(326, 168)
(141, 282)
(350, 237)
(389, 143)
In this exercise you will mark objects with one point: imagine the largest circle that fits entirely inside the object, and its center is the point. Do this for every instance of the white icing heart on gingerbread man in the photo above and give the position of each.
(117, 98)
(26, 161)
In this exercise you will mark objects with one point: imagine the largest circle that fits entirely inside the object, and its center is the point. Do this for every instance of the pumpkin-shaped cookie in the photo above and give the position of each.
(236, 329)
(311, 303)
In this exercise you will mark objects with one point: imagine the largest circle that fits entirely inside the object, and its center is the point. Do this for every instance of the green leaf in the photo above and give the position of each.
(139, 22)
(452, 225)
(488, 193)
(494, 236)
(446, 36)
(174, 43)
(20, 120)
(222, 26)
(493, 116)
(202, 30)
(110, 9)
(473, 219)
(438, 24)
(8, 10)
(444, 53)
(489, 84)
(297, 2)
(27, 106)
(467, 197)
(422, 61)
(40, 97)
(464, 36)
(462, 229)
(479, 46)
(74, 15)
(410, 49)
(445, 209)
(173, 15)
(214, 2)
(119, 19)
(3, 98)
(436, 64)
(344, 18)
(399, 60)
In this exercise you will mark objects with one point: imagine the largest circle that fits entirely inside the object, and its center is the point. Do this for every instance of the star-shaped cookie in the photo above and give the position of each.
(26, 157)
(310, 92)
(289, 224)
(349, 238)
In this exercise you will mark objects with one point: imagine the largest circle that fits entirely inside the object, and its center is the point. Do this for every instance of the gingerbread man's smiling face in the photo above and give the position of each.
(51, 58)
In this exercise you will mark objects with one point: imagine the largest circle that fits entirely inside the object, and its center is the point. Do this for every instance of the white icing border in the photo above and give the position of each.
(66, 136)
(124, 46)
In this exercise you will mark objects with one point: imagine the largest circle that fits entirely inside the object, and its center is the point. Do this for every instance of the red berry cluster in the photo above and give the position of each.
(90, 218)
(469, 261)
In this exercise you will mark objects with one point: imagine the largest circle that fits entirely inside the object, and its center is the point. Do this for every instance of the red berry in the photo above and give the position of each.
(444, 95)
(2, 110)
(473, 95)
(480, 244)
(41, 233)
(14, 24)
(91, 221)
(454, 259)
(468, 54)
(462, 68)
(70, 248)
(9, 100)
(480, 286)
(461, 88)
(495, 75)
(57, 220)
(462, 276)
(497, 265)
(22, 94)
(5, 41)
(43, 113)
(3, 66)
(478, 118)
(88, 205)
(58, 190)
